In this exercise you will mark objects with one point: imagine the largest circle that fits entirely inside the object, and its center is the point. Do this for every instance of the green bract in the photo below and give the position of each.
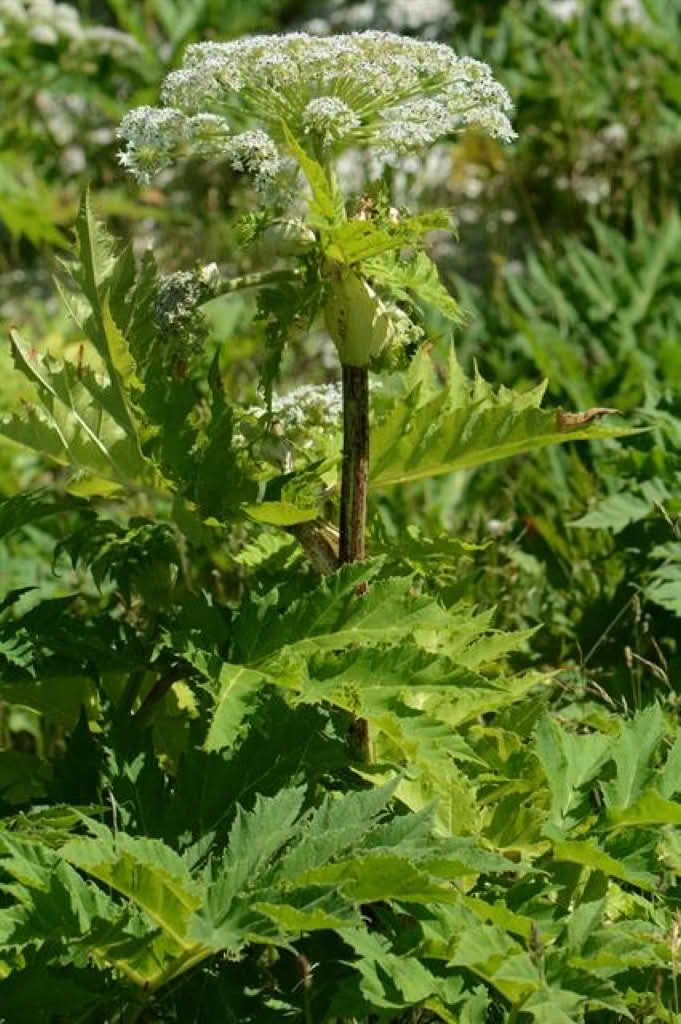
(362, 326)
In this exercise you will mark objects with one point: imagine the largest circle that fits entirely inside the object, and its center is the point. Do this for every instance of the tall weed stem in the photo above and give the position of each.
(353, 500)
(353, 505)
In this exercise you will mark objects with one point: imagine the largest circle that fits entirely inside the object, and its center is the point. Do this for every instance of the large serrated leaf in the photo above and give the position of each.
(468, 427)
(332, 616)
(254, 840)
(78, 424)
(147, 872)
(588, 854)
(569, 762)
(633, 753)
(381, 877)
(333, 828)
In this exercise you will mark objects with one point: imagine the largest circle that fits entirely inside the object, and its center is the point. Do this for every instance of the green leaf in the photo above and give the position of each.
(555, 1006)
(415, 280)
(582, 923)
(669, 779)
(665, 588)
(148, 873)
(332, 829)
(254, 839)
(465, 426)
(320, 910)
(55, 905)
(234, 689)
(357, 241)
(332, 617)
(487, 951)
(633, 753)
(589, 855)
(78, 425)
(397, 982)
(374, 679)
(569, 762)
(327, 201)
(382, 877)
(32, 506)
(649, 809)
(281, 513)
(498, 914)
(614, 513)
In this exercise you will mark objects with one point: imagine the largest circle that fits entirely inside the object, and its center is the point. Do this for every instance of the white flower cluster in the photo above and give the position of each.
(157, 136)
(377, 90)
(48, 23)
(329, 119)
(318, 405)
(310, 405)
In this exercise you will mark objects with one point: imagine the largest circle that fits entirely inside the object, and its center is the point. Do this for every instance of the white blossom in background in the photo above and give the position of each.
(428, 18)
(615, 134)
(405, 14)
(49, 23)
(414, 175)
(619, 11)
(564, 10)
(386, 94)
(622, 11)
(14, 10)
(590, 189)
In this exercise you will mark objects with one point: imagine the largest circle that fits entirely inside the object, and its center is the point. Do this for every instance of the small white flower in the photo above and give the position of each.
(67, 21)
(329, 119)
(564, 10)
(615, 134)
(14, 10)
(308, 405)
(41, 9)
(256, 154)
(73, 160)
(473, 187)
(591, 190)
(44, 34)
(154, 138)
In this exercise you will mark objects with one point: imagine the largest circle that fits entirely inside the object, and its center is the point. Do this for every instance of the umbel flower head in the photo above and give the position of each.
(377, 90)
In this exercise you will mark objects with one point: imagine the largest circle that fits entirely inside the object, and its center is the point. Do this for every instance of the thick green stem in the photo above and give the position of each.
(353, 500)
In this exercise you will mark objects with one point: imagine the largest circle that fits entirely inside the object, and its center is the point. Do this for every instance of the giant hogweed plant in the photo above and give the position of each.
(285, 779)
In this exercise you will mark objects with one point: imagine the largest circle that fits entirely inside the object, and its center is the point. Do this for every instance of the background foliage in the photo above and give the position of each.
(186, 829)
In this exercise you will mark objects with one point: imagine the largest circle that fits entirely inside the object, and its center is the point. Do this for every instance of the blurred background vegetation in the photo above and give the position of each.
(568, 262)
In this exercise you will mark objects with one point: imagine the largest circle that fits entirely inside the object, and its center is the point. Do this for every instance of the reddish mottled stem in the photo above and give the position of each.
(353, 503)
(353, 509)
